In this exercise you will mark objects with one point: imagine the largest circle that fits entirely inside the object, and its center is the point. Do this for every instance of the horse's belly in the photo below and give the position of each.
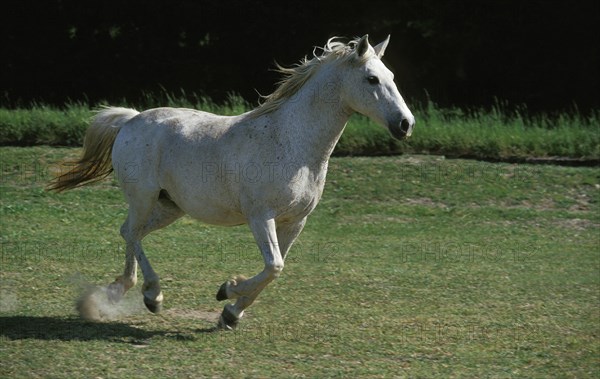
(215, 215)
(207, 204)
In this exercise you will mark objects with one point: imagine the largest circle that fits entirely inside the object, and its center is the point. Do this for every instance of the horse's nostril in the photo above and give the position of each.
(405, 126)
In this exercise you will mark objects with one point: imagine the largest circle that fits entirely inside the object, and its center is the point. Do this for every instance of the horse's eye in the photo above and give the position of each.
(373, 79)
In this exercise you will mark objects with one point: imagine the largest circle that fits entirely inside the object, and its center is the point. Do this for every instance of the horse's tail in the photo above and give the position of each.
(95, 164)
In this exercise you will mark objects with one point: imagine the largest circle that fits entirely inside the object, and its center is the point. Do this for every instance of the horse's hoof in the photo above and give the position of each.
(153, 305)
(227, 321)
(222, 293)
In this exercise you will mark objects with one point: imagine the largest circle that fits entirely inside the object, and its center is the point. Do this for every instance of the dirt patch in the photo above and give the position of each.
(193, 314)
(583, 200)
(426, 202)
(577, 224)
(415, 159)
(544, 204)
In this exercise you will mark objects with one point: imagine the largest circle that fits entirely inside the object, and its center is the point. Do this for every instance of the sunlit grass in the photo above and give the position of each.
(411, 266)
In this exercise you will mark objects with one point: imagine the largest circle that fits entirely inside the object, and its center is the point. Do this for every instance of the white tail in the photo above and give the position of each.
(95, 164)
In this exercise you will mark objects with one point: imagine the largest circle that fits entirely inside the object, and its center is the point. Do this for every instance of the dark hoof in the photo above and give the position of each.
(153, 305)
(227, 321)
(222, 293)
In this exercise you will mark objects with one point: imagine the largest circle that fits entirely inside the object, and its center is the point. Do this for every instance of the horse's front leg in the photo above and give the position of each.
(246, 290)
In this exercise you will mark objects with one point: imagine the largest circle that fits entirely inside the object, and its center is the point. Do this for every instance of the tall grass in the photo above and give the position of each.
(44, 125)
(499, 134)
(480, 133)
(494, 133)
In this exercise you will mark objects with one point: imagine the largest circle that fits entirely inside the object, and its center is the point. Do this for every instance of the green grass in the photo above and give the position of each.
(495, 134)
(411, 266)
(43, 125)
(500, 134)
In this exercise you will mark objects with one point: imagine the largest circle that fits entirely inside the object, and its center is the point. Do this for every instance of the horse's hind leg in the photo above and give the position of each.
(164, 213)
(140, 211)
(147, 212)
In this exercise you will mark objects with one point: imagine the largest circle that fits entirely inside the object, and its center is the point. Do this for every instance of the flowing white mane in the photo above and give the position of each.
(296, 76)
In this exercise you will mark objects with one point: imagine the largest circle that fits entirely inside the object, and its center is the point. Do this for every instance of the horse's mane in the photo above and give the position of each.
(296, 76)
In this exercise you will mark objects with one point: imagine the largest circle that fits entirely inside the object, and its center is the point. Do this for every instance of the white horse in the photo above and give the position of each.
(265, 168)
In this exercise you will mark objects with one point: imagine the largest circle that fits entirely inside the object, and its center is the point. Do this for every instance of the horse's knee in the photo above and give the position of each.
(273, 270)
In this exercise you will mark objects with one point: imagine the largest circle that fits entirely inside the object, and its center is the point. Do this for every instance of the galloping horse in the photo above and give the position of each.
(170, 162)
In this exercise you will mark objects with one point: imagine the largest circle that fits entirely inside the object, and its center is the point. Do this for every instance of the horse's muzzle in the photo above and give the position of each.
(402, 129)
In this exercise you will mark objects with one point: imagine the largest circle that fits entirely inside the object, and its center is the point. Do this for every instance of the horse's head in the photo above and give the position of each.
(369, 88)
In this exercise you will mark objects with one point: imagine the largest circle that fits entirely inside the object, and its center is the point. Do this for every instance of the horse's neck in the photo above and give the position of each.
(314, 119)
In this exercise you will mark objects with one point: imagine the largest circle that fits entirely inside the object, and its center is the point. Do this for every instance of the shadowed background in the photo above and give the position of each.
(543, 54)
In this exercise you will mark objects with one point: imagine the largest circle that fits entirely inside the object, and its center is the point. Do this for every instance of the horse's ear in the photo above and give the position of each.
(363, 45)
(380, 49)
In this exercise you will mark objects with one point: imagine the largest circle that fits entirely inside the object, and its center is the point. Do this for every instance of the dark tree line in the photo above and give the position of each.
(460, 52)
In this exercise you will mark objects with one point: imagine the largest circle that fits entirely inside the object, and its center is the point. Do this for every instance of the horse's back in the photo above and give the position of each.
(175, 127)
(175, 150)
(189, 123)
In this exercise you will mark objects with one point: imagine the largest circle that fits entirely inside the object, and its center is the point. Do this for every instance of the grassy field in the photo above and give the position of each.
(492, 134)
(411, 266)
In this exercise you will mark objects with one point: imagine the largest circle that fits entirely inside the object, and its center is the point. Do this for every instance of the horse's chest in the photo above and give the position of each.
(299, 198)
